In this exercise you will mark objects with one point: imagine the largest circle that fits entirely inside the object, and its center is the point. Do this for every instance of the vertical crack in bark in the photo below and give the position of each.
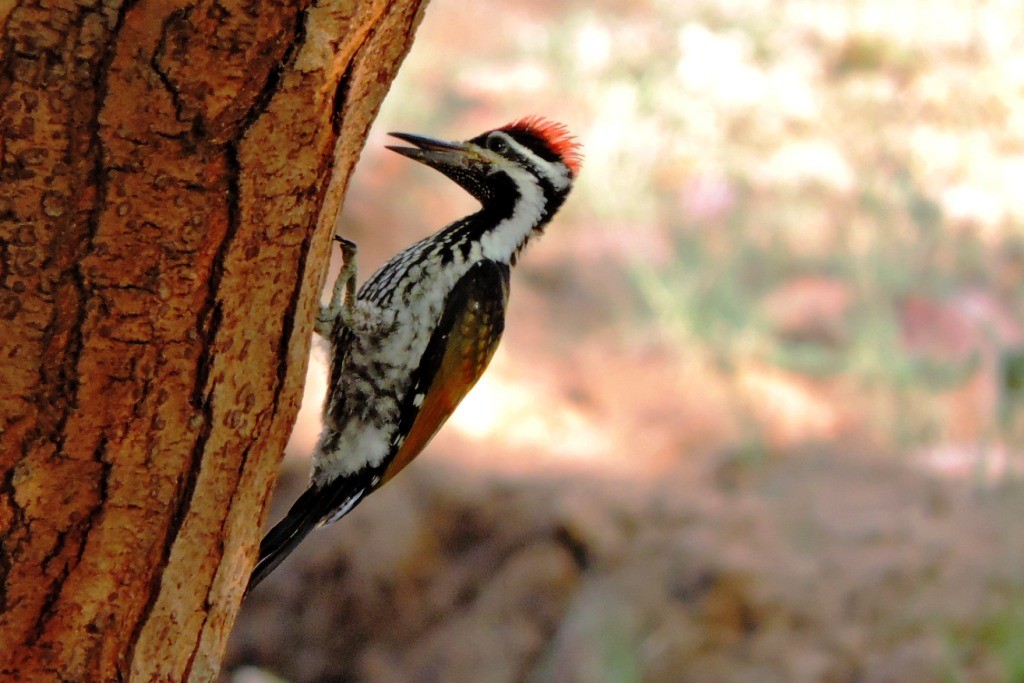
(261, 102)
(154, 60)
(65, 539)
(53, 590)
(341, 94)
(103, 494)
(291, 308)
(98, 177)
(262, 99)
(18, 522)
(204, 407)
(202, 395)
(63, 387)
(202, 401)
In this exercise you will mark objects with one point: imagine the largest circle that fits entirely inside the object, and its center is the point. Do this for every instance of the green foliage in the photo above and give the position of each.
(1000, 636)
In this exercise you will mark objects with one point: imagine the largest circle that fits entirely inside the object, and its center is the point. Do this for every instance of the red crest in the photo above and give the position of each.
(555, 135)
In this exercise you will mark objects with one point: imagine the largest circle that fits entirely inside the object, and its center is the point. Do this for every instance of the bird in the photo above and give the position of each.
(418, 334)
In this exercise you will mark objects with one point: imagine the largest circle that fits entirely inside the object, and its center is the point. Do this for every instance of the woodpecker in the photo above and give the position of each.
(413, 341)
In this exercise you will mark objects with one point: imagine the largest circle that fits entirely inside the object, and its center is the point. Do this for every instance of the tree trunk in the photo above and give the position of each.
(170, 173)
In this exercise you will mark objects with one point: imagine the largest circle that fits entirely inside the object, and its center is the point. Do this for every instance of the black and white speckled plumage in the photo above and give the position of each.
(389, 348)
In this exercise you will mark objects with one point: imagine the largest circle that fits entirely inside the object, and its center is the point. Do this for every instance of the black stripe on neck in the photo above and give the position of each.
(499, 204)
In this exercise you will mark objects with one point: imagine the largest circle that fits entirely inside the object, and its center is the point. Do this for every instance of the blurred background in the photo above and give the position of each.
(758, 414)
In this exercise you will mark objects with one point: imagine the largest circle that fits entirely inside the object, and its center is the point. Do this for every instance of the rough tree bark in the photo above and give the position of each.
(170, 172)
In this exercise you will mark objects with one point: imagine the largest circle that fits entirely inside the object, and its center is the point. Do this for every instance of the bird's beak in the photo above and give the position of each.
(439, 154)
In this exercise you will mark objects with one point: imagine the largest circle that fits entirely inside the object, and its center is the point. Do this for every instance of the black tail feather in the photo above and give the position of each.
(314, 506)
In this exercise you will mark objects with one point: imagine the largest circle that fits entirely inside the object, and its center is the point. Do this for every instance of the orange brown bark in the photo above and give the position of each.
(170, 173)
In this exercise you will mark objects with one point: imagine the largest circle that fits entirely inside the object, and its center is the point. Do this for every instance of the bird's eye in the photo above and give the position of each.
(496, 143)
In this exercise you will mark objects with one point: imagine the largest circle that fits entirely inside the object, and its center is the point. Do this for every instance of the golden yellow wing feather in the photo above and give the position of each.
(469, 344)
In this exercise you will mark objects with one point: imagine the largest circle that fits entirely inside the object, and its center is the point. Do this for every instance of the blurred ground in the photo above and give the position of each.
(759, 411)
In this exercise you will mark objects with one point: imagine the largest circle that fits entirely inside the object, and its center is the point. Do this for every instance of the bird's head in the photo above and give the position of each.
(501, 163)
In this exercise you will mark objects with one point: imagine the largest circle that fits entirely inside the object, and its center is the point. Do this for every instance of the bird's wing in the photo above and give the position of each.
(456, 356)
